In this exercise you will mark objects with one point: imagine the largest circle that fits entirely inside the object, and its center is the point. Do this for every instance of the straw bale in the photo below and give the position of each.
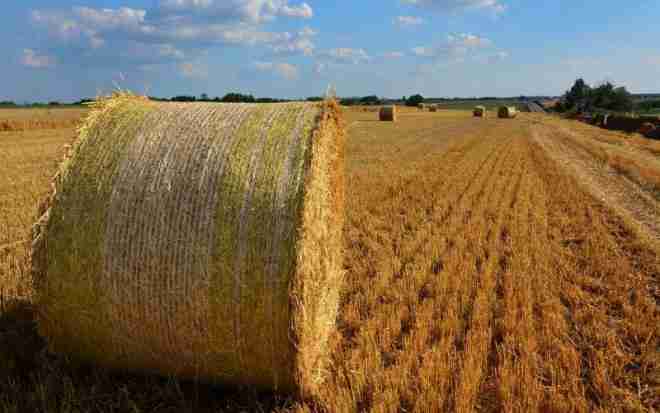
(480, 111)
(507, 112)
(387, 114)
(433, 108)
(197, 240)
(647, 128)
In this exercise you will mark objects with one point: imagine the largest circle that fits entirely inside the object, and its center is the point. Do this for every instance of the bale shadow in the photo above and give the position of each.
(34, 380)
(20, 344)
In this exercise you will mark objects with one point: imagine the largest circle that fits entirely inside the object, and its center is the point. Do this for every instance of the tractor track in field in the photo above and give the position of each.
(617, 191)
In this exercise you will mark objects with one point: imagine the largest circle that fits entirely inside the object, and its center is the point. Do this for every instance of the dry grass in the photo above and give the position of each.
(31, 119)
(480, 277)
(632, 155)
(28, 161)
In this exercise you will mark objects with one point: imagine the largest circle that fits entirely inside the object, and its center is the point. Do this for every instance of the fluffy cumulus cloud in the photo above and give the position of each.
(455, 47)
(31, 58)
(251, 11)
(175, 29)
(284, 70)
(456, 5)
(393, 55)
(295, 43)
(408, 21)
(344, 55)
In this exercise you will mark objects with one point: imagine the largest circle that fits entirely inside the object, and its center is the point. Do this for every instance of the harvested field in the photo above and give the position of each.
(490, 266)
(32, 119)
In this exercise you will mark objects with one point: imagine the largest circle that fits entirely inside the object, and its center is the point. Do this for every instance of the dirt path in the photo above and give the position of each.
(614, 189)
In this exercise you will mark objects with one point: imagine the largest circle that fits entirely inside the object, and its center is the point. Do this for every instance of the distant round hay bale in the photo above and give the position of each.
(433, 108)
(388, 114)
(647, 128)
(507, 112)
(422, 106)
(480, 111)
(197, 240)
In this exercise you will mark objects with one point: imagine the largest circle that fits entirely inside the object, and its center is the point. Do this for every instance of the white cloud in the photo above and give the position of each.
(393, 55)
(345, 55)
(104, 19)
(32, 59)
(500, 56)
(284, 70)
(408, 21)
(422, 51)
(177, 28)
(307, 32)
(251, 11)
(319, 67)
(194, 70)
(304, 11)
(495, 6)
(297, 43)
(456, 47)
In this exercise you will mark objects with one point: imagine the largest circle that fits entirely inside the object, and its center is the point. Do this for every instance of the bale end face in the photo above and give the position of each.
(479, 112)
(388, 114)
(507, 112)
(647, 129)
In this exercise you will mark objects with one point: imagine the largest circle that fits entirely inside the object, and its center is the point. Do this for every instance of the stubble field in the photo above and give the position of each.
(491, 265)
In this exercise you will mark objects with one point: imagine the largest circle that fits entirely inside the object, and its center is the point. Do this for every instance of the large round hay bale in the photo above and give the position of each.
(507, 112)
(479, 111)
(433, 108)
(387, 114)
(197, 240)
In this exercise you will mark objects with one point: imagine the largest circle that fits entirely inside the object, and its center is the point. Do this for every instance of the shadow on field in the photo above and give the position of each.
(33, 380)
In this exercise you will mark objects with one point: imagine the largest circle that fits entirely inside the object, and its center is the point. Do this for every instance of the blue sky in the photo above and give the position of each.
(64, 50)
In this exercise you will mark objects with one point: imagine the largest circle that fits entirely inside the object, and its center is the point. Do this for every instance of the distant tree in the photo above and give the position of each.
(370, 100)
(606, 96)
(238, 98)
(204, 97)
(184, 98)
(7, 103)
(414, 100)
(54, 103)
(577, 96)
(314, 99)
(645, 106)
(581, 97)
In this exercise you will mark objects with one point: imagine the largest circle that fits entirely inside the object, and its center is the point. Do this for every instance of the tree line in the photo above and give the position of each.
(581, 97)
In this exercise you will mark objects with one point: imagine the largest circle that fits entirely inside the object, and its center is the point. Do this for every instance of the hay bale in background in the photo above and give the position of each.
(387, 114)
(507, 112)
(422, 106)
(479, 111)
(197, 240)
(433, 108)
(647, 129)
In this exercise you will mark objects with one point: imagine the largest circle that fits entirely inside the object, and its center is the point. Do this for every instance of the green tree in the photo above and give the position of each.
(607, 96)
(576, 98)
(414, 100)
(238, 98)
